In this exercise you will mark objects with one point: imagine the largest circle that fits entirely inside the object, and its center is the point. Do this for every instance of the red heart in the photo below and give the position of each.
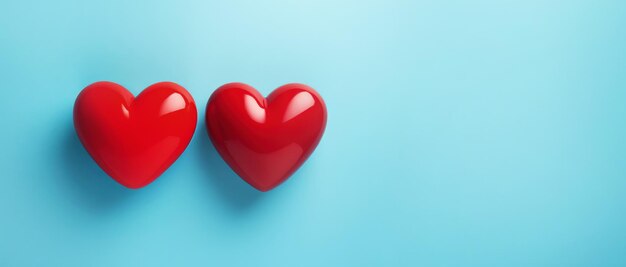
(135, 140)
(265, 140)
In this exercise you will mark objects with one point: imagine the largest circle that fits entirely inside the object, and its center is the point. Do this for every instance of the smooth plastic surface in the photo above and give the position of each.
(265, 140)
(134, 140)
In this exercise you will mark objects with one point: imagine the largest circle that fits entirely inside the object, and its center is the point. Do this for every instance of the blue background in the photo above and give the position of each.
(460, 133)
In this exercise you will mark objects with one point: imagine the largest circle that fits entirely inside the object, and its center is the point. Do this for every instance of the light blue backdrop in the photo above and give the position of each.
(460, 133)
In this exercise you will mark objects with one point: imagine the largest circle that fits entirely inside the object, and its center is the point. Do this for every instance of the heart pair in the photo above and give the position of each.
(135, 139)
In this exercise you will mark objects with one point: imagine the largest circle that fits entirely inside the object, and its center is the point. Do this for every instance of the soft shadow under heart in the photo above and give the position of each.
(232, 189)
(92, 187)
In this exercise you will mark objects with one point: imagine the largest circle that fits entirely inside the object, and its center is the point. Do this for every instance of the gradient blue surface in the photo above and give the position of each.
(460, 133)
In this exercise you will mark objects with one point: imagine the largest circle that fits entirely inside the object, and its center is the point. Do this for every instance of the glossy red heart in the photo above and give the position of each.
(135, 140)
(265, 140)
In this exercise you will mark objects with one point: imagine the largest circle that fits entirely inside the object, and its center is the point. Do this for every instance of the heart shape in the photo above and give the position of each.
(265, 140)
(134, 140)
